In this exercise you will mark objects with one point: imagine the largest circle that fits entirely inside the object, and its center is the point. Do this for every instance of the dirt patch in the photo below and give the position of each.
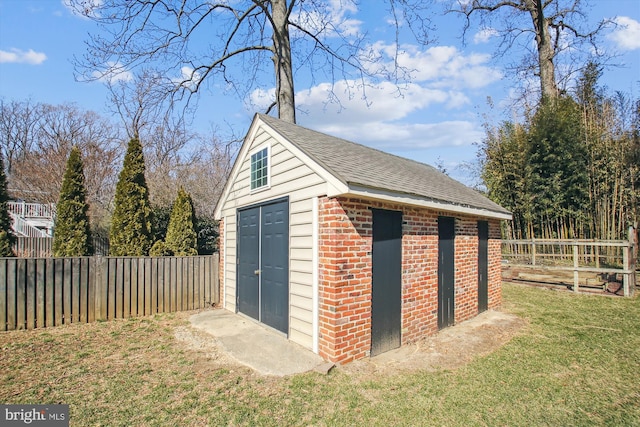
(451, 348)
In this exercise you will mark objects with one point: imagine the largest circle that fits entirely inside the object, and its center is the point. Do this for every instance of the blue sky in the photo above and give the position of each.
(437, 119)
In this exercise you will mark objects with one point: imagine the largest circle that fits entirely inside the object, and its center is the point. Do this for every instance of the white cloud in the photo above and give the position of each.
(84, 8)
(440, 66)
(387, 120)
(627, 33)
(113, 72)
(332, 21)
(189, 78)
(399, 118)
(391, 136)
(384, 101)
(18, 56)
(484, 35)
(457, 100)
(260, 99)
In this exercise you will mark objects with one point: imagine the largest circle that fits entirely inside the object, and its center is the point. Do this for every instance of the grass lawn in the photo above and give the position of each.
(576, 363)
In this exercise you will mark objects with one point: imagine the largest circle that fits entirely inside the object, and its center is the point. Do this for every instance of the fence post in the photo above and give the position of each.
(629, 263)
(4, 288)
(533, 251)
(100, 294)
(626, 263)
(575, 269)
(633, 256)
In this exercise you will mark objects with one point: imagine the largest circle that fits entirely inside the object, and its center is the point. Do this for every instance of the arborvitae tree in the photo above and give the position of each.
(160, 222)
(6, 233)
(72, 233)
(182, 239)
(131, 229)
(207, 229)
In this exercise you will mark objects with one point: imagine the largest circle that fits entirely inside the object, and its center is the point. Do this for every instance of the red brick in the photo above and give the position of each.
(345, 227)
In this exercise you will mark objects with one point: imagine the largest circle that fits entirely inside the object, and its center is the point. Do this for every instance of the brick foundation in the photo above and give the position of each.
(345, 242)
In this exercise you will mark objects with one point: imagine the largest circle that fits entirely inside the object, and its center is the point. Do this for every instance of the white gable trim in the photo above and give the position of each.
(334, 185)
(246, 143)
(337, 187)
(407, 199)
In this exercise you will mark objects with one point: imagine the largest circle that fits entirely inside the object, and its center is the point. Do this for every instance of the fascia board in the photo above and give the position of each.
(373, 193)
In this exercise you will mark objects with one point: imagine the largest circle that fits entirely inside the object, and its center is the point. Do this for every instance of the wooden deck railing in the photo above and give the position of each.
(42, 247)
(32, 210)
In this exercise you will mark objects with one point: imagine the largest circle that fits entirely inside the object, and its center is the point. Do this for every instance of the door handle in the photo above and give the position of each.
(256, 272)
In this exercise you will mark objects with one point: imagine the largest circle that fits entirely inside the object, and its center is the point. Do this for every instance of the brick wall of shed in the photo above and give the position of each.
(495, 265)
(345, 241)
(344, 280)
(419, 274)
(466, 268)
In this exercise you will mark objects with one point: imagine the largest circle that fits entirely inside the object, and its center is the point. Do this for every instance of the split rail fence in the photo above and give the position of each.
(45, 292)
(605, 259)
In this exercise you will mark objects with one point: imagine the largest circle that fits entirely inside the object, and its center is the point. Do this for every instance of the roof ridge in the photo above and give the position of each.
(325, 135)
(271, 120)
(357, 164)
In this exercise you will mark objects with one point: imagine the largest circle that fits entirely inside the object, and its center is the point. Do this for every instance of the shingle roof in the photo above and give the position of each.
(356, 164)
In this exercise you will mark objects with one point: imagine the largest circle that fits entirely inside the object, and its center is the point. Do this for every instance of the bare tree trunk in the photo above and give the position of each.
(548, 87)
(282, 61)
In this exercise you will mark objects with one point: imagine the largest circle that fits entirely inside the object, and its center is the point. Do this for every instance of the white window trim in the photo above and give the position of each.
(268, 184)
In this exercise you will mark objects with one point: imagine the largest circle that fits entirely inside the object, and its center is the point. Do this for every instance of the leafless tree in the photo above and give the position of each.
(554, 27)
(208, 175)
(138, 101)
(18, 124)
(200, 167)
(193, 43)
(37, 174)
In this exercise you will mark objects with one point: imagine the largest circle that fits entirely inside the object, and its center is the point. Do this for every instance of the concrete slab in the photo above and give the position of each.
(254, 345)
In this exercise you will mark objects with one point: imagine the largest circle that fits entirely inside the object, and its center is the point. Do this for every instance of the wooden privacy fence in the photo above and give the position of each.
(44, 292)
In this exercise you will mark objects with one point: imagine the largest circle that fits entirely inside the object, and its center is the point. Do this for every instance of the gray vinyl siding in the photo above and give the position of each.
(289, 176)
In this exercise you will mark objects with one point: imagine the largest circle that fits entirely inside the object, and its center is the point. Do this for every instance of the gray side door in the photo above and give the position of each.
(386, 281)
(483, 265)
(446, 271)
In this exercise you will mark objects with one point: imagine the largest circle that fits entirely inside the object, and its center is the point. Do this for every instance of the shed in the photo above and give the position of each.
(348, 250)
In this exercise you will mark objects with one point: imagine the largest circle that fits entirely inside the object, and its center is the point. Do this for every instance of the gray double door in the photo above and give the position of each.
(263, 263)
